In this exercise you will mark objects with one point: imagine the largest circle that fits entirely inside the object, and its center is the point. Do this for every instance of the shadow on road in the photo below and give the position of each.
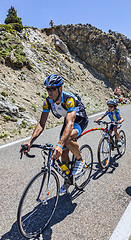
(64, 208)
(128, 191)
(98, 172)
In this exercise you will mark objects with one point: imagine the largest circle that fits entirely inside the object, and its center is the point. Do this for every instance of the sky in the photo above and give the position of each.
(103, 14)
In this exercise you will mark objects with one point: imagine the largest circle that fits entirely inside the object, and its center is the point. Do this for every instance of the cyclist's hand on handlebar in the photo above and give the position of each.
(57, 152)
(97, 121)
(28, 147)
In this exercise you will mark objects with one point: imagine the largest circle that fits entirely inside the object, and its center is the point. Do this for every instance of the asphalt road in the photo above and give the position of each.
(90, 215)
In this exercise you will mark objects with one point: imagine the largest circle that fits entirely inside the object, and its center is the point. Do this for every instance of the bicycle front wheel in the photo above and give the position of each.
(37, 204)
(104, 152)
(82, 179)
(121, 150)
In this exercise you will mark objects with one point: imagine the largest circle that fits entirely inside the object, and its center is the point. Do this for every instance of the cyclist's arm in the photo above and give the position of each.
(70, 118)
(38, 129)
(121, 119)
(100, 118)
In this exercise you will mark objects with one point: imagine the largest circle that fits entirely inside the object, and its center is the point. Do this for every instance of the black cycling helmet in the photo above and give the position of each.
(112, 102)
(53, 80)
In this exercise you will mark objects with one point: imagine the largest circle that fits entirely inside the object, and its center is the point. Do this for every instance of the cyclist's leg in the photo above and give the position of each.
(111, 130)
(65, 156)
(115, 129)
(70, 144)
(79, 125)
(65, 153)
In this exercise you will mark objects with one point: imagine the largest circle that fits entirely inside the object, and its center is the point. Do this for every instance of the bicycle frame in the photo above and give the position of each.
(105, 130)
(91, 130)
(56, 167)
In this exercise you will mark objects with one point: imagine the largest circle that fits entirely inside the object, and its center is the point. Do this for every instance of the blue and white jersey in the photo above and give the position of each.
(69, 102)
(114, 116)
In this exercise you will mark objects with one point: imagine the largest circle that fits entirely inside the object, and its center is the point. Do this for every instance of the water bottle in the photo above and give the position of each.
(63, 167)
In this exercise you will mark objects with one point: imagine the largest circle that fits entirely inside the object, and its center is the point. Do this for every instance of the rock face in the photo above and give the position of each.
(108, 53)
(91, 63)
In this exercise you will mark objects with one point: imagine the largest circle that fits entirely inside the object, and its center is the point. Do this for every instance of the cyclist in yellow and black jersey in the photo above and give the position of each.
(69, 106)
(69, 102)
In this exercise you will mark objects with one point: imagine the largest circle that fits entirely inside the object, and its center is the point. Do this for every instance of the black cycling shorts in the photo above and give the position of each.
(80, 124)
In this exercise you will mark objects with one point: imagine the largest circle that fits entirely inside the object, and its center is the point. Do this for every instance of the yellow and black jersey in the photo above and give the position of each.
(69, 102)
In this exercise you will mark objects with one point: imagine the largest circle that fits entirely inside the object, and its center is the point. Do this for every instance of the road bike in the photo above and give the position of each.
(40, 197)
(108, 143)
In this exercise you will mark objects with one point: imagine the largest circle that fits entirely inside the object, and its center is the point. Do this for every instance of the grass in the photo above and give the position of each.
(4, 94)
(4, 135)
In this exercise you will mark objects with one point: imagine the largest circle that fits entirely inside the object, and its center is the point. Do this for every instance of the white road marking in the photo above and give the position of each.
(15, 142)
(123, 228)
(97, 114)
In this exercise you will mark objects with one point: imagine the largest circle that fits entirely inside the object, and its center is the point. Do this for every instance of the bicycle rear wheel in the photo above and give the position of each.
(104, 152)
(121, 150)
(37, 204)
(82, 179)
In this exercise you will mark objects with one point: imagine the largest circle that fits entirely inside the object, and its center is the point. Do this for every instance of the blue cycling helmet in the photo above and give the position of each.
(112, 102)
(53, 80)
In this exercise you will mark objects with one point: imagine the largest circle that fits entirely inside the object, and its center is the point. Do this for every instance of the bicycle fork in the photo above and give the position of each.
(47, 171)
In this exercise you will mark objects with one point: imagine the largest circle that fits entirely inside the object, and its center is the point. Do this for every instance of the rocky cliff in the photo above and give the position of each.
(90, 61)
(109, 54)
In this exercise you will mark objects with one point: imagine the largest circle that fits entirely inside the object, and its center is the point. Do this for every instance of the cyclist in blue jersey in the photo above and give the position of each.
(115, 116)
(69, 106)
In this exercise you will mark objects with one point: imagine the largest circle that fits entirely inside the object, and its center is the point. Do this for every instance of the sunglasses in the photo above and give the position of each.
(110, 106)
(51, 89)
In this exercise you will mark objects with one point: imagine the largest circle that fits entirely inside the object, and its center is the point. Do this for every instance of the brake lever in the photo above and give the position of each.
(21, 155)
(27, 154)
(98, 122)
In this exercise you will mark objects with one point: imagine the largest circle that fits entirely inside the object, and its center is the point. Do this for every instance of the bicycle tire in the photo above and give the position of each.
(82, 179)
(33, 219)
(104, 153)
(121, 150)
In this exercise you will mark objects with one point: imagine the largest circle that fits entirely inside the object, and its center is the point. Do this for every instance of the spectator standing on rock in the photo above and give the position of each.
(51, 23)
(118, 92)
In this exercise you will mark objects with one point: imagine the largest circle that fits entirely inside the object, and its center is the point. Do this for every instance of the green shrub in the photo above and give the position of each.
(24, 124)
(34, 108)
(4, 94)
(13, 20)
(17, 26)
(4, 135)
(6, 27)
(44, 95)
(38, 93)
(7, 118)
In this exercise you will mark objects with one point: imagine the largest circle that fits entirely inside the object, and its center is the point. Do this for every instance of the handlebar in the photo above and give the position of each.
(47, 146)
(106, 123)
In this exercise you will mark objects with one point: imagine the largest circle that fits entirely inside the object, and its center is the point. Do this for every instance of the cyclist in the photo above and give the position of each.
(69, 106)
(114, 114)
